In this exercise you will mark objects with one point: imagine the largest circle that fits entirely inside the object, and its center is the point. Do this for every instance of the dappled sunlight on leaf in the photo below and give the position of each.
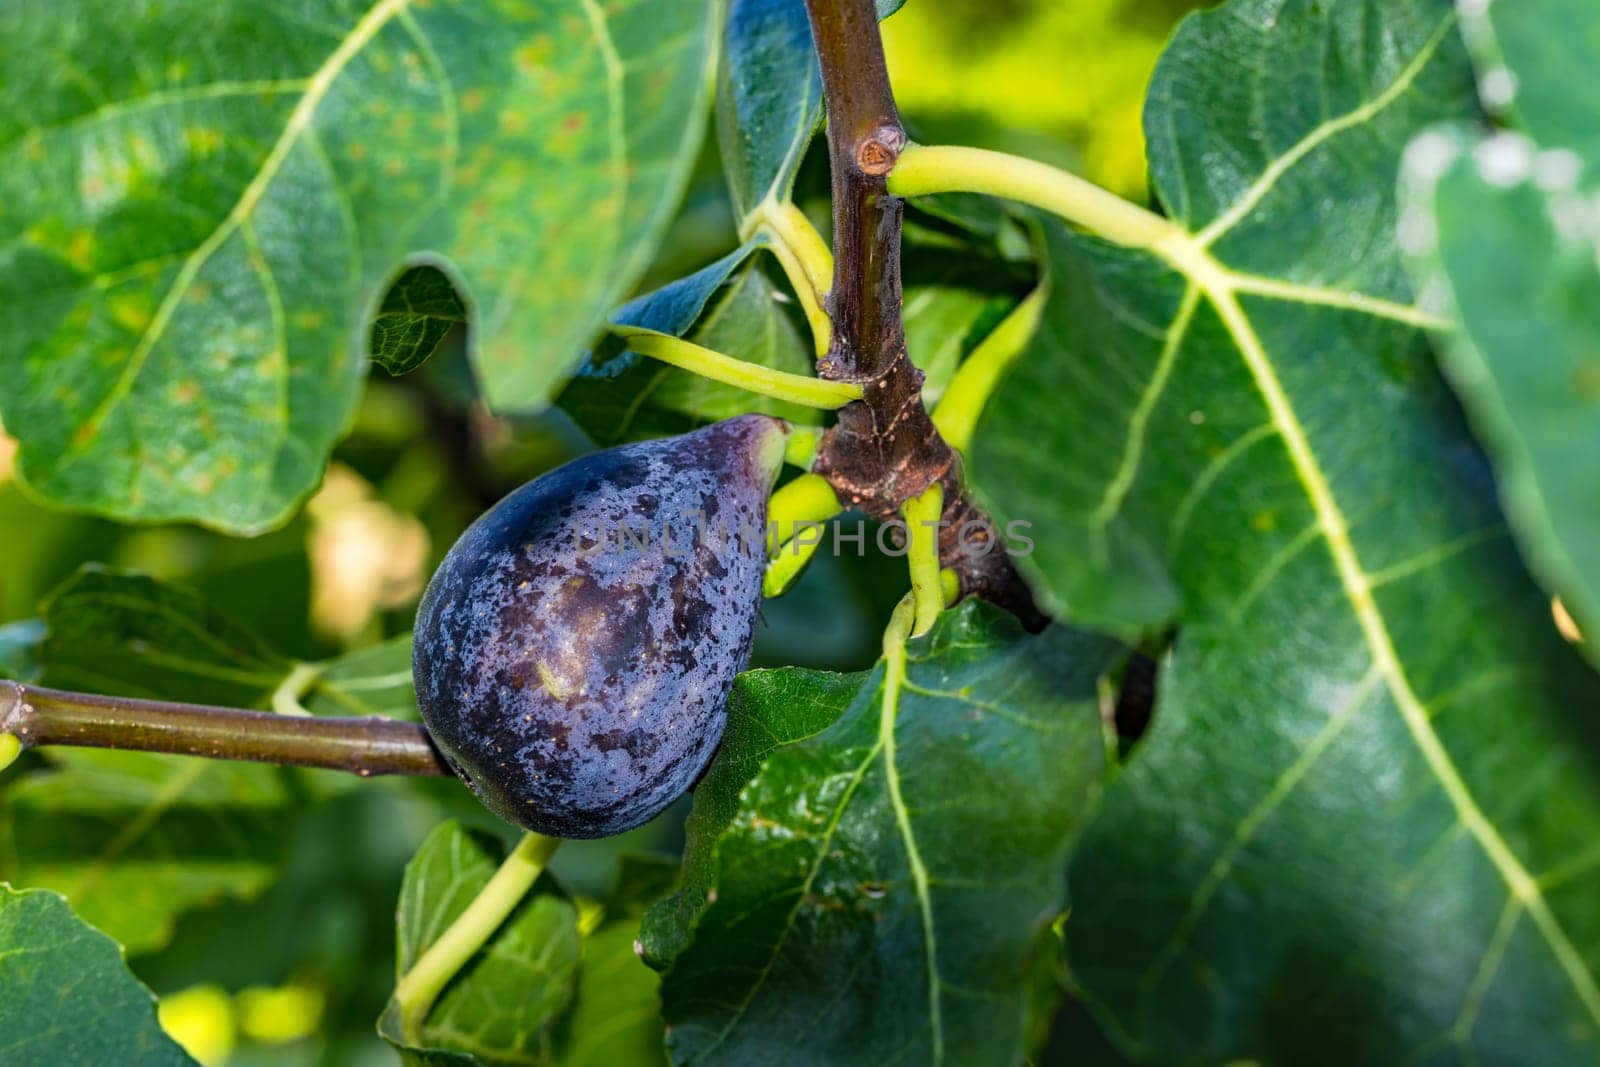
(366, 555)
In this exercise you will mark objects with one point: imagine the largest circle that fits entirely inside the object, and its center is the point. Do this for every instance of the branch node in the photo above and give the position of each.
(877, 154)
(13, 708)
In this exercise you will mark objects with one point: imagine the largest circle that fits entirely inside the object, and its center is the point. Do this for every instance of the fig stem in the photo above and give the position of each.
(924, 169)
(801, 450)
(795, 516)
(956, 414)
(752, 377)
(807, 500)
(922, 514)
(805, 258)
(32, 715)
(419, 987)
(787, 566)
(886, 449)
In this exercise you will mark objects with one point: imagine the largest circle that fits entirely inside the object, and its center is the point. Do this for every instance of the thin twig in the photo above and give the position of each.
(365, 746)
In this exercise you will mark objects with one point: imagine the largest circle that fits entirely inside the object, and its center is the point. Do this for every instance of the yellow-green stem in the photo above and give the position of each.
(805, 503)
(418, 988)
(956, 414)
(10, 749)
(287, 698)
(807, 499)
(751, 377)
(805, 259)
(922, 514)
(950, 585)
(925, 169)
(786, 566)
(894, 647)
(801, 449)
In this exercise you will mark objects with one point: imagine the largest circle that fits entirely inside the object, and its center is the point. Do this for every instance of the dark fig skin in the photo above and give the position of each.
(579, 687)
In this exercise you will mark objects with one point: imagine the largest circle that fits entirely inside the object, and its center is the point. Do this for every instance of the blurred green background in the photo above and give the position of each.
(298, 975)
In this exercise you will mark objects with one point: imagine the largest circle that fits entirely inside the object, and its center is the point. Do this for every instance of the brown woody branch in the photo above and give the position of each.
(369, 746)
(885, 448)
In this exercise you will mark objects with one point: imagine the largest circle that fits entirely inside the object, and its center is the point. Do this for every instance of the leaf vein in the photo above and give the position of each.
(299, 120)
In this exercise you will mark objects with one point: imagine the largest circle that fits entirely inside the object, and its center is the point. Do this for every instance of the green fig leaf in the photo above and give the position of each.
(675, 307)
(197, 239)
(371, 681)
(65, 994)
(862, 879)
(1361, 825)
(419, 309)
(767, 710)
(111, 631)
(541, 992)
(135, 839)
(1533, 60)
(615, 1019)
(1504, 237)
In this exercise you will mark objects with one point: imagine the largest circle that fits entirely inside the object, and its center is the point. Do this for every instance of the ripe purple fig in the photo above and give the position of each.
(575, 650)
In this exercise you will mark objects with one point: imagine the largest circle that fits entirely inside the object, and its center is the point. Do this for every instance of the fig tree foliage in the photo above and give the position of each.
(1305, 768)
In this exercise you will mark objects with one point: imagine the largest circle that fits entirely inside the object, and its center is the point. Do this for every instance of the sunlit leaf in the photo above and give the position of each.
(195, 237)
(1361, 825)
(1505, 236)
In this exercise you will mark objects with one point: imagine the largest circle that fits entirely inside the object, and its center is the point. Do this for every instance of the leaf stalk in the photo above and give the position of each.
(922, 170)
(805, 258)
(956, 414)
(419, 987)
(922, 543)
(751, 377)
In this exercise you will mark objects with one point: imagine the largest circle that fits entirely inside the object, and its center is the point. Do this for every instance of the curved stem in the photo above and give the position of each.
(950, 585)
(751, 377)
(922, 540)
(419, 987)
(895, 636)
(795, 515)
(367, 746)
(805, 258)
(956, 414)
(788, 565)
(801, 450)
(807, 500)
(286, 699)
(923, 169)
(795, 230)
